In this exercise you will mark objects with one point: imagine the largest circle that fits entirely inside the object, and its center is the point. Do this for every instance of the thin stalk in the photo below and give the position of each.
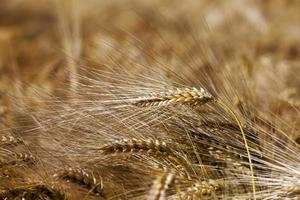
(224, 105)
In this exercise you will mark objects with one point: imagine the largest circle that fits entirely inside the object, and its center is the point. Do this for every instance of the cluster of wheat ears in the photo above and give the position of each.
(149, 100)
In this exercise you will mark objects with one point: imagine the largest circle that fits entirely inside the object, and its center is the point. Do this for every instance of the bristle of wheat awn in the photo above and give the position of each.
(217, 125)
(135, 145)
(192, 96)
(160, 186)
(83, 177)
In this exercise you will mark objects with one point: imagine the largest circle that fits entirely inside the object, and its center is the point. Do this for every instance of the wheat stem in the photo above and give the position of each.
(224, 105)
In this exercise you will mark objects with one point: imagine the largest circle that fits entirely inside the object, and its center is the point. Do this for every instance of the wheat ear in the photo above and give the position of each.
(9, 140)
(84, 178)
(25, 157)
(149, 147)
(160, 185)
(135, 145)
(192, 96)
(200, 189)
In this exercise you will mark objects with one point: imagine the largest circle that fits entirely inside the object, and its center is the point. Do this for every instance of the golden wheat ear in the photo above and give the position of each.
(192, 96)
(25, 157)
(10, 140)
(160, 186)
(202, 189)
(83, 177)
(151, 148)
(135, 145)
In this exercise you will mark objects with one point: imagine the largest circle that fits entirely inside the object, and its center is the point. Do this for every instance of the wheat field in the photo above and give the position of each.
(149, 99)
